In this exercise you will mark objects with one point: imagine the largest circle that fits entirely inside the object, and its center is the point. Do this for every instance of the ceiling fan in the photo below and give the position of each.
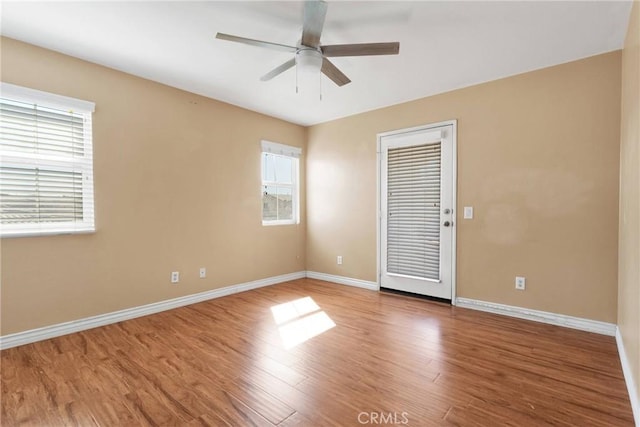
(310, 54)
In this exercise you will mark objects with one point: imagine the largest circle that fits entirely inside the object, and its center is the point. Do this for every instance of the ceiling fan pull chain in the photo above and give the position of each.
(296, 80)
(320, 77)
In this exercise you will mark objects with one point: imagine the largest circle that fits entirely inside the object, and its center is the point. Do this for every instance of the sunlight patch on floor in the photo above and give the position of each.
(300, 320)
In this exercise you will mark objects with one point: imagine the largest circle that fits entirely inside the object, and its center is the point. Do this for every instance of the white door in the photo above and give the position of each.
(417, 201)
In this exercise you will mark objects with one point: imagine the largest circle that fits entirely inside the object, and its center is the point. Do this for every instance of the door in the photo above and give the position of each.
(417, 201)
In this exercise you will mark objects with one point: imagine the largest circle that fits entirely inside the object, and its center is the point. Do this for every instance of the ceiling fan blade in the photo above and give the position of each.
(258, 43)
(363, 49)
(331, 71)
(314, 14)
(279, 69)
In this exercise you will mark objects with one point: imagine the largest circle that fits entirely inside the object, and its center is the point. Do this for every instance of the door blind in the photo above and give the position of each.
(413, 210)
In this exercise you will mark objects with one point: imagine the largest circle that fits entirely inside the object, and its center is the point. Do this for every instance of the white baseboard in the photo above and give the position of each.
(39, 334)
(628, 378)
(372, 286)
(588, 325)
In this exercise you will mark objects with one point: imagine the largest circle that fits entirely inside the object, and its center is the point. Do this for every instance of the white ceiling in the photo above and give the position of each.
(443, 45)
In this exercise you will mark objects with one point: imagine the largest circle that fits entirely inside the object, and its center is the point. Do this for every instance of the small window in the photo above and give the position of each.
(280, 193)
(46, 163)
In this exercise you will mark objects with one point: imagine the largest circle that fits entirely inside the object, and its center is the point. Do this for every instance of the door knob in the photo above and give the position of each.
(446, 223)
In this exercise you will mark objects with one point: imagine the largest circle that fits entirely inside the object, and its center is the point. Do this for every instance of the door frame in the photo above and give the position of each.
(454, 186)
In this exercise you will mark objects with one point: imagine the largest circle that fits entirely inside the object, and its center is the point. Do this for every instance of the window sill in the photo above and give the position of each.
(40, 233)
(271, 223)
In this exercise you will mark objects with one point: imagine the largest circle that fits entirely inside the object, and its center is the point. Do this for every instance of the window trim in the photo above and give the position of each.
(52, 100)
(85, 165)
(286, 151)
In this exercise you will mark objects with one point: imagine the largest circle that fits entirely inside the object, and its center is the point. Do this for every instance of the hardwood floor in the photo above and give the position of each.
(388, 360)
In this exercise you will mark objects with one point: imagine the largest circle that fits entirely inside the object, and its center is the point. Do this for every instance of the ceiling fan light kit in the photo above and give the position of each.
(308, 61)
(311, 57)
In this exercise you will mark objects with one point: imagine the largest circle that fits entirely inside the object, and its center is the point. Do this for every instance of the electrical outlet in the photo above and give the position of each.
(339, 260)
(520, 283)
(175, 276)
(203, 272)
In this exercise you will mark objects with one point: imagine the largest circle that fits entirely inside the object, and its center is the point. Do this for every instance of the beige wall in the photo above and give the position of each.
(538, 159)
(177, 184)
(629, 246)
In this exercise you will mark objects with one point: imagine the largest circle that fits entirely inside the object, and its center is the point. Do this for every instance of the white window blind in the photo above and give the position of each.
(413, 226)
(280, 192)
(46, 163)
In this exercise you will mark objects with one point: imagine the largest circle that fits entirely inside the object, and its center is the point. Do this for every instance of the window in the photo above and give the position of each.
(279, 184)
(46, 163)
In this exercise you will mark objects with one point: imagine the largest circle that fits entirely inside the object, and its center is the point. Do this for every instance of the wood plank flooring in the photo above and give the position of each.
(389, 360)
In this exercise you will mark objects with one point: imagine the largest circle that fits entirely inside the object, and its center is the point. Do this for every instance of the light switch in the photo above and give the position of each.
(468, 212)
